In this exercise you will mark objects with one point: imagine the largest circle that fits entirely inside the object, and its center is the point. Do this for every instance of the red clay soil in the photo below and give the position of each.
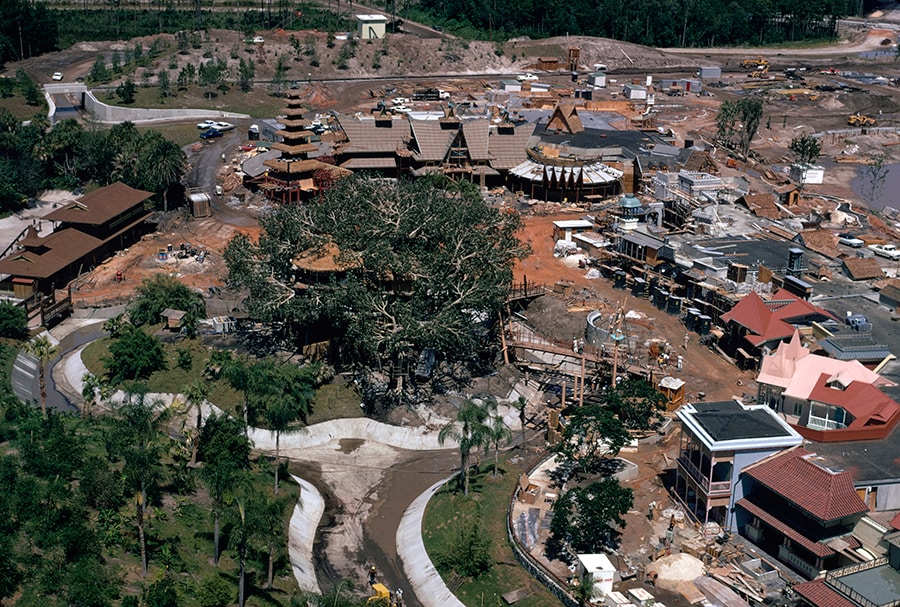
(704, 370)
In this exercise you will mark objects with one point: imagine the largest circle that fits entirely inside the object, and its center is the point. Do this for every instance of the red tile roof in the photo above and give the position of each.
(769, 320)
(819, 594)
(868, 405)
(100, 206)
(825, 495)
(895, 522)
(816, 548)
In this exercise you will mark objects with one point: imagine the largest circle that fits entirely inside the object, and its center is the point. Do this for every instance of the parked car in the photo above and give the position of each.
(57, 76)
(886, 250)
(529, 77)
(401, 109)
(850, 240)
(206, 124)
(248, 147)
(210, 134)
(222, 126)
(399, 101)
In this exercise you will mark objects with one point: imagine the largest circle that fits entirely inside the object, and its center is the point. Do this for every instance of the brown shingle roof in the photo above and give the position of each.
(822, 242)
(99, 206)
(826, 495)
(57, 250)
(367, 136)
(507, 145)
(565, 118)
(430, 139)
(476, 134)
(860, 268)
(761, 205)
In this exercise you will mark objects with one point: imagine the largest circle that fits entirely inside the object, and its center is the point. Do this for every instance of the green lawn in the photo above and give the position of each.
(257, 103)
(492, 497)
(17, 106)
(337, 400)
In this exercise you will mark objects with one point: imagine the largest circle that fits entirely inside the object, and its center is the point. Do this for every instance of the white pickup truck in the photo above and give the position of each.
(886, 250)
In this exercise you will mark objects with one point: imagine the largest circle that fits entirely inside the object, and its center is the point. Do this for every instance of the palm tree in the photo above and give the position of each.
(496, 432)
(165, 165)
(195, 395)
(290, 392)
(468, 431)
(225, 453)
(137, 438)
(92, 387)
(44, 351)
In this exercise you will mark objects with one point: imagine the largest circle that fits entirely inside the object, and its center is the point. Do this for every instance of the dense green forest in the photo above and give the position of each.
(29, 28)
(661, 23)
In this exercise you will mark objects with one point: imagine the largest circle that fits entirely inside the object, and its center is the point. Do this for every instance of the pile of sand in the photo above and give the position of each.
(677, 568)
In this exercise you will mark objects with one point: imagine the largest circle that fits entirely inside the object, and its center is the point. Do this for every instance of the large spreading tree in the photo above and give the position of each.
(416, 264)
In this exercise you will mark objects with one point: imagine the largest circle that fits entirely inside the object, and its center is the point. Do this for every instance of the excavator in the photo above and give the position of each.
(755, 64)
(858, 119)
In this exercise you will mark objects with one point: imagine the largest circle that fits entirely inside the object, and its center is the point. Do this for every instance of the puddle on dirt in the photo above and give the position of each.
(349, 445)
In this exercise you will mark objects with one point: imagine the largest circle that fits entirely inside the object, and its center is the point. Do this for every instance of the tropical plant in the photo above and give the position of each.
(43, 350)
(136, 437)
(496, 432)
(13, 321)
(224, 450)
(589, 519)
(135, 355)
(805, 148)
(162, 291)
(195, 395)
(468, 431)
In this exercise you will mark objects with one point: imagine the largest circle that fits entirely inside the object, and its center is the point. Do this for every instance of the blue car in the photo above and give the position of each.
(210, 134)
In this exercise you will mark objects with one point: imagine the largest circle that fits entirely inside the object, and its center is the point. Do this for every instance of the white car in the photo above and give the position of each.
(206, 124)
(222, 126)
(886, 250)
(850, 240)
(399, 101)
(529, 77)
(402, 109)
(258, 40)
(57, 76)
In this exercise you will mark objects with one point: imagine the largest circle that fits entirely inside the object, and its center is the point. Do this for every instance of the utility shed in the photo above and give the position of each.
(371, 27)
(597, 80)
(199, 203)
(711, 72)
(635, 91)
(174, 318)
(511, 86)
(565, 229)
(601, 569)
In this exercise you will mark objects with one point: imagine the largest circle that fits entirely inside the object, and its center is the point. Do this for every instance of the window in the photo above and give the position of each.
(797, 410)
(828, 417)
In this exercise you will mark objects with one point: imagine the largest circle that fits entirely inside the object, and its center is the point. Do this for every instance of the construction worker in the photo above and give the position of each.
(372, 574)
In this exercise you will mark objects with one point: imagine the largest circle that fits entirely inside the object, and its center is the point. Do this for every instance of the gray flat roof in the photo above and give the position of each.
(727, 423)
(881, 585)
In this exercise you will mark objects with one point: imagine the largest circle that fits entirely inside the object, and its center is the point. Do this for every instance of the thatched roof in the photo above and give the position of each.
(326, 258)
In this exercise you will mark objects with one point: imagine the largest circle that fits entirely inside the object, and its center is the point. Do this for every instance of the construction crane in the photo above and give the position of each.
(858, 119)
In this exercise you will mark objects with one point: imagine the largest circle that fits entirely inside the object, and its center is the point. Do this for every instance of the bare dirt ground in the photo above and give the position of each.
(368, 487)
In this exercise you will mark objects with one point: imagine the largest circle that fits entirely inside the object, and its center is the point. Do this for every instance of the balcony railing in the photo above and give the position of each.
(788, 556)
(710, 487)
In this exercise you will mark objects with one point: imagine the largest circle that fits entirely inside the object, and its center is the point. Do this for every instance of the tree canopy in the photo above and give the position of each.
(161, 291)
(738, 121)
(589, 518)
(806, 148)
(386, 269)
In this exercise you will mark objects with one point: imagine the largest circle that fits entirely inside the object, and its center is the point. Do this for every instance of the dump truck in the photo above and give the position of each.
(858, 119)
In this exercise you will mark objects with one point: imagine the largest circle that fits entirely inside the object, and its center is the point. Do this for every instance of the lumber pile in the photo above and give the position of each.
(739, 581)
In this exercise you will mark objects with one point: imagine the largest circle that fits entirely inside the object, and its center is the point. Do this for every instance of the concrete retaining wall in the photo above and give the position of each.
(112, 114)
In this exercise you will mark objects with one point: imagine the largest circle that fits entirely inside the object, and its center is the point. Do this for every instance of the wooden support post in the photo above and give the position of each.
(503, 339)
(581, 394)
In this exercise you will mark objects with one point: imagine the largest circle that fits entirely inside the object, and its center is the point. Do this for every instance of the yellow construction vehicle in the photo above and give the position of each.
(858, 119)
(382, 595)
(753, 64)
(760, 72)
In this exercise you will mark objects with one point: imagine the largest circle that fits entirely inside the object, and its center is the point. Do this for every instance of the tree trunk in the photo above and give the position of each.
(142, 538)
(270, 579)
(496, 458)
(43, 386)
(464, 470)
(216, 539)
(241, 576)
(277, 460)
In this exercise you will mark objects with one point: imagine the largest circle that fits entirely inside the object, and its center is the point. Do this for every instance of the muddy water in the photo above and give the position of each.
(889, 194)
(402, 484)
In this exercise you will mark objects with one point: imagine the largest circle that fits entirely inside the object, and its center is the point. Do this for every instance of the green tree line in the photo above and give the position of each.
(661, 23)
(34, 156)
